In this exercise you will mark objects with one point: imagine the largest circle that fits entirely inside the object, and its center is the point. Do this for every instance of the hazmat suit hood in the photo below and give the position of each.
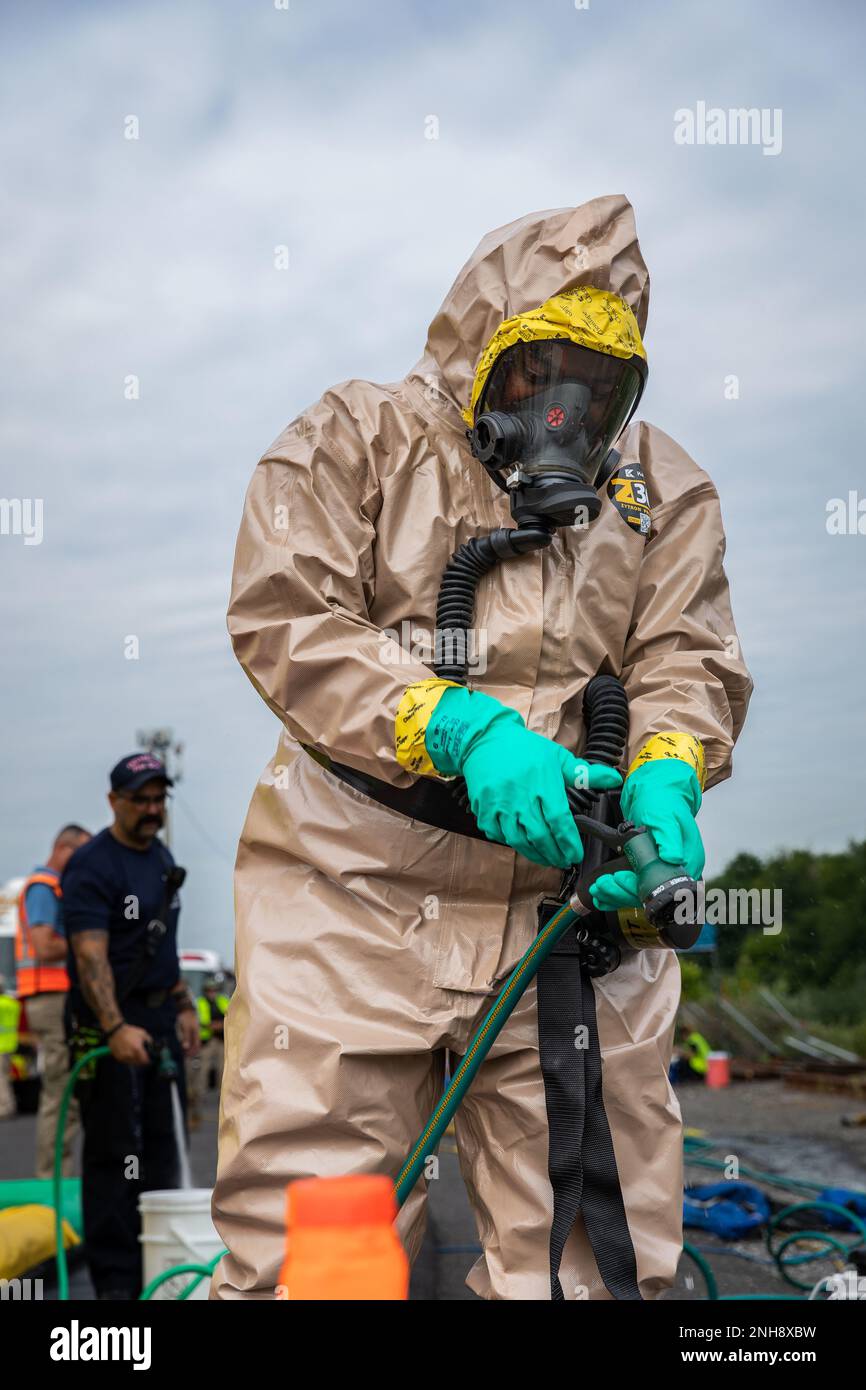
(515, 269)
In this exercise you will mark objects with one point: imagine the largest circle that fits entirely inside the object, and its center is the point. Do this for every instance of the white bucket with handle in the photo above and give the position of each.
(176, 1228)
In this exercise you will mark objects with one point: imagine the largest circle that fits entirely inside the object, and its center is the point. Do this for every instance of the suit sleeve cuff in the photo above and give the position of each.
(686, 747)
(410, 725)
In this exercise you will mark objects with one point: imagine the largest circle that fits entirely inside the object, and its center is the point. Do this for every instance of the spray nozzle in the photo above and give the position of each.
(160, 1055)
(662, 887)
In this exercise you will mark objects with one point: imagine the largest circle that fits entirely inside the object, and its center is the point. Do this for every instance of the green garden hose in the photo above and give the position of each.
(760, 1298)
(62, 1269)
(517, 982)
(201, 1271)
(825, 1236)
(704, 1267)
(772, 1179)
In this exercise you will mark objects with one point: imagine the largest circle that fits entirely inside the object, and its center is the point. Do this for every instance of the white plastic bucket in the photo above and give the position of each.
(176, 1228)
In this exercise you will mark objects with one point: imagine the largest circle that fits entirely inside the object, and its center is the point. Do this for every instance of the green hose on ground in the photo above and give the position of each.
(825, 1236)
(202, 1272)
(760, 1298)
(62, 1268)
(521, 976)
(704, 1266)
(830, 1243)
(771, 1179)
(693, 1141)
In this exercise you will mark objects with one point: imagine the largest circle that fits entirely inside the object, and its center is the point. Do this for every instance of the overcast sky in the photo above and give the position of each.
(307, 128)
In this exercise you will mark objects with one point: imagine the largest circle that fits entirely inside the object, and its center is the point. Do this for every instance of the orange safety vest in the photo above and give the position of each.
(32, 976)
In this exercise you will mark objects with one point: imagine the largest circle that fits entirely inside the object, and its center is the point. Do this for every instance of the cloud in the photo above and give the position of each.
(260, 128)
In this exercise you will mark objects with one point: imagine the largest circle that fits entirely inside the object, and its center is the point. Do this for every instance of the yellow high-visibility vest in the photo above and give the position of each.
(10, 1013)
(702, 1051)
(205, 1015)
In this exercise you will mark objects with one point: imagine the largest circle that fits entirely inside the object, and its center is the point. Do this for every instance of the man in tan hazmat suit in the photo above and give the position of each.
(370, 941)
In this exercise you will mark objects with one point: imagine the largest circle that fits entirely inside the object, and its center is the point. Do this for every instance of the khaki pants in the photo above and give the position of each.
(198, 1070)
(7, 1095)
(45, 1021)
(348, 994)
(334, 1062)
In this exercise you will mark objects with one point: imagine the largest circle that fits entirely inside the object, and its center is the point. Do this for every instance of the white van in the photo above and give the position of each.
(196, 966)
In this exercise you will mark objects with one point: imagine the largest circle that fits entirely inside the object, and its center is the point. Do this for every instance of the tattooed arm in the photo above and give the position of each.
(96, 980)
(96, 977)
(90, 897)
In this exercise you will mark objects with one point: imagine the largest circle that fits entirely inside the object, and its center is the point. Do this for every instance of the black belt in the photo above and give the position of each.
(426, 800)
(150, 998)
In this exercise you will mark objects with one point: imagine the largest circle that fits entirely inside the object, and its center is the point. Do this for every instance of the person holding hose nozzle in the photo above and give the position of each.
(417, 813)
(120, 894)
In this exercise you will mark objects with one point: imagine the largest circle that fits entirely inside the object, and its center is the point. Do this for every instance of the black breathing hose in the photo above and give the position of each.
(605, 717)
(605, 703)
(455, 604)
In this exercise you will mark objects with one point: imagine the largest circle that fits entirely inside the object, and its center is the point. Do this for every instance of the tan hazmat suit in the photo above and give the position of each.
(368, 942)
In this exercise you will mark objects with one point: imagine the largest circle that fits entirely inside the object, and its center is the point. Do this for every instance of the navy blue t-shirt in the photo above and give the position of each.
(109, 887)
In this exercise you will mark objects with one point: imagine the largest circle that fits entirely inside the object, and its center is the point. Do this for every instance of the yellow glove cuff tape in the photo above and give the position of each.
(683, 746)
(417, 704)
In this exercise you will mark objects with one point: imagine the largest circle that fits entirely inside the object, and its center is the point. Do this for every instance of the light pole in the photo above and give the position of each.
(161, 743)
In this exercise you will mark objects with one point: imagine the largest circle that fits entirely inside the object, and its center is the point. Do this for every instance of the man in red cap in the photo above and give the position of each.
(121, 905)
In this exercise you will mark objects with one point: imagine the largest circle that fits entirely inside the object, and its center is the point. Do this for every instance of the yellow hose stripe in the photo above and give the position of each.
(683, 746)
(416, 705)
(492, 1016)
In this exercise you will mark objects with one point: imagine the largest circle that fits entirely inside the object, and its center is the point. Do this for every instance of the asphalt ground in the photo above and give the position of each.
(761, 1124)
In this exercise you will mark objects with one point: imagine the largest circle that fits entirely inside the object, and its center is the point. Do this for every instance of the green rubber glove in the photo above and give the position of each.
(665, 796)
(516, 779)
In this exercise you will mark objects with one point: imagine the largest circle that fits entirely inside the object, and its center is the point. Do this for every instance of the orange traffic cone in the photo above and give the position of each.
(341, 1242)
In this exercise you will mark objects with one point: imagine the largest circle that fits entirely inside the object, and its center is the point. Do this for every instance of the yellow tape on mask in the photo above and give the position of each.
(410, 725)
(591, 318)
(683, 746)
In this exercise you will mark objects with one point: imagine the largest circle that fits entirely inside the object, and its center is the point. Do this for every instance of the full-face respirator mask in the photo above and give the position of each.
(545, 424)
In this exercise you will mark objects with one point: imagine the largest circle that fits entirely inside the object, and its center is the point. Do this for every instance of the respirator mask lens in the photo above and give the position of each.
(552, 403)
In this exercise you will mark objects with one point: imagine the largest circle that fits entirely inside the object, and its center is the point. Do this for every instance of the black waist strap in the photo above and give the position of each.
(427, 800)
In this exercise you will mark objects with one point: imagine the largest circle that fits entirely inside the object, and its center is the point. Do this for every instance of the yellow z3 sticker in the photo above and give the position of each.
(628, 492)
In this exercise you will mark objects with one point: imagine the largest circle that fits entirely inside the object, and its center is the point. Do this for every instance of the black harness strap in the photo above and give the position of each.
(173, 879)
(581, 1161)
